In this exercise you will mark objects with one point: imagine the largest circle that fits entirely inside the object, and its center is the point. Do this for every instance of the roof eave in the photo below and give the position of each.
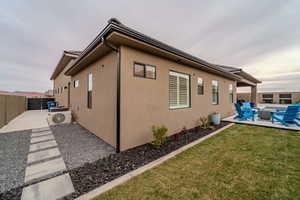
(127, 31)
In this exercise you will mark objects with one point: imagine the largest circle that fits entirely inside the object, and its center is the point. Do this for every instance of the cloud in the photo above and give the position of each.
(261, 36)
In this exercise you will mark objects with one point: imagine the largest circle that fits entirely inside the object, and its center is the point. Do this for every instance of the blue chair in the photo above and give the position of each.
(288, 116)
(243, 114)
(297, 104)
(281, 112)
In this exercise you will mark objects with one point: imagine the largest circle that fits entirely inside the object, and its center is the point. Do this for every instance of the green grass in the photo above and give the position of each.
(242, 162)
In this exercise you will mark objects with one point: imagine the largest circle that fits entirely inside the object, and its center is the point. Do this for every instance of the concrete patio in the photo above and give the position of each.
(260, 122)
(32, 119)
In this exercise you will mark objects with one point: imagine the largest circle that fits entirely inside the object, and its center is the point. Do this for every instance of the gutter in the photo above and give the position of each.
(118, 103)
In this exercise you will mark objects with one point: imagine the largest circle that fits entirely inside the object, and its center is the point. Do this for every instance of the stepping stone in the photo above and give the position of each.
(43, 169)
(51, 189)
(38, 134)
(40, 129)
(42, 145)
(41, 155)
(42, 138)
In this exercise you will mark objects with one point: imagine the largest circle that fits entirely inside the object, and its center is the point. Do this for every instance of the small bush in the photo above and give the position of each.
(203, 122)
(159, 135)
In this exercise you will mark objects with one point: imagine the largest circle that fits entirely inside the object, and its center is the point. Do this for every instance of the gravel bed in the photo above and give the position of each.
(14, 147)
(92, 175)
(78, 146)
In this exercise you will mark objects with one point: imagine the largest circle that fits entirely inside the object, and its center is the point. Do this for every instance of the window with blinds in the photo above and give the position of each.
(215, 92)
(179, 90)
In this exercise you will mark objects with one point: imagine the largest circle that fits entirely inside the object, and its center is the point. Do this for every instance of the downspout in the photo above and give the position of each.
(118, 103)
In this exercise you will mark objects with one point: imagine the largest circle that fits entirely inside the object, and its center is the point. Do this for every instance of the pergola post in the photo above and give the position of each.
(254, 94)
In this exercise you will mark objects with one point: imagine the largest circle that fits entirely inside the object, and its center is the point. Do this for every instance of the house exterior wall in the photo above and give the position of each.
(244, 96)
(145, 102)
(101, 118)
(61, 81)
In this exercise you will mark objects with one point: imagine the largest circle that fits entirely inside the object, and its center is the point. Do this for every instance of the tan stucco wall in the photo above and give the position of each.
(244, 96)
(144, 102)
(101, 119)
(62, 81)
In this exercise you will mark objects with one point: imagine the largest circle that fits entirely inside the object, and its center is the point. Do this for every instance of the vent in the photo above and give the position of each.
(58, 118)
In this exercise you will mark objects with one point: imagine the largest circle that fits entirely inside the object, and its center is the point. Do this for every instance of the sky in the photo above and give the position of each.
(260, 36)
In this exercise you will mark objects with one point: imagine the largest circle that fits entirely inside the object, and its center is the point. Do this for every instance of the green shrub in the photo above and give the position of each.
(203, 122)
(159, 135)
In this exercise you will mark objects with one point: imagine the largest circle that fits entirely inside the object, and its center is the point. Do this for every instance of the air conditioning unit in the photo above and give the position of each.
(62, 117)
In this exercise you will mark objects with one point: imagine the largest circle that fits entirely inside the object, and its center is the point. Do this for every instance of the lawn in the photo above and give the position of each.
(242, 162)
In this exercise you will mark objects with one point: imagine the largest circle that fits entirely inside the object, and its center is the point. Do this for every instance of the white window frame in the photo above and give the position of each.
(186, 76)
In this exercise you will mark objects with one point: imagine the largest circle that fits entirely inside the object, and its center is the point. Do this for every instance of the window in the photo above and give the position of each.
(90, 89)
(145, 71)
(179, 90)
(285, 98)
(61, 89)
(215, 92)
(200, 86)
(76, 84)
(231, 93)
(267, 98)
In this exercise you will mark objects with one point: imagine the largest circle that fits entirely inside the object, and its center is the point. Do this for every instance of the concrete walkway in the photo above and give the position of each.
(43, 161)
(33, 119)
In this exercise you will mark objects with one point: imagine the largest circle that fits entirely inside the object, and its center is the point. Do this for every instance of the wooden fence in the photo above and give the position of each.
(11, 107)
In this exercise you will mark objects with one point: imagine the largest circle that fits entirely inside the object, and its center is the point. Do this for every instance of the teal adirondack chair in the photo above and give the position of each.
(289, 116)
(243, 114)
(281, 112)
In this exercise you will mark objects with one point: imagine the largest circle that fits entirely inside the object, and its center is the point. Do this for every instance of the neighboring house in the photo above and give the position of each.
(273, 97)
(61, 82)
(126, 82)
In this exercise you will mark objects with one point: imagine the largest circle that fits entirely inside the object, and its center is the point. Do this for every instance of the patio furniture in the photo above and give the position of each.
(287, 117)
(281, 111)
(245, 113)
(51, 104)
(266, 114)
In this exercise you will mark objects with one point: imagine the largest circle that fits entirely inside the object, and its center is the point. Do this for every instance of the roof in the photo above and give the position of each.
(240, 72)
(229, 69)
(64, 60)
(115, 25)
(77, 53)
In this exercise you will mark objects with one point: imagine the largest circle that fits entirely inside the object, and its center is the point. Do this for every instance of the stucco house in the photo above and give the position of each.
(61, 82)
(281, 97)
(126, 82)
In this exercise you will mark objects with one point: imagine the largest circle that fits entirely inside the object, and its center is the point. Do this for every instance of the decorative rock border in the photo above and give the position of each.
(146, 167)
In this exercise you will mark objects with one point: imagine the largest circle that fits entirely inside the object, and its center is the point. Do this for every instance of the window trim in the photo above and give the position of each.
(212, 97)
(145, 66)
(189, 88)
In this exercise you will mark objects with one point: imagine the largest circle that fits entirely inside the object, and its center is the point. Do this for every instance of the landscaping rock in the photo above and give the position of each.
(95, 174)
